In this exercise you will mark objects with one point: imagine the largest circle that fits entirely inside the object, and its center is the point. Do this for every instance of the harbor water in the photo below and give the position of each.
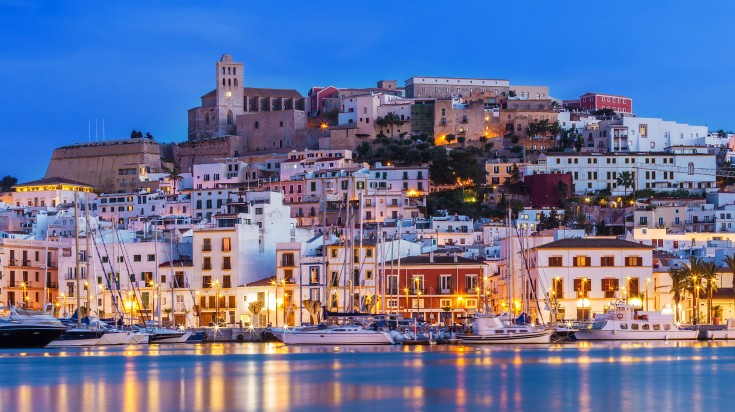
(663, 376)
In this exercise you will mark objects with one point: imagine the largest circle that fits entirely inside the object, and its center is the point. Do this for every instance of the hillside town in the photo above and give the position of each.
(434, 199)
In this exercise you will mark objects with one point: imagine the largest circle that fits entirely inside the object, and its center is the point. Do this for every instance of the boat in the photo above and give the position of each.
(624, 322)
(77, 337)
(161, 335)
(18, 335)
(339, 335)
(723, 334)
(490, 328)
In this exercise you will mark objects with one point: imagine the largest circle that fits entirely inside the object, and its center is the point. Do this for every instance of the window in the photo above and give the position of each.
(136, 258)
(206, 245)
(207, 263)
(151, 258)
(633, 261)
(557, 287)
(226, 263)
(445, 284)
(582, 286)
(226, 246)
(470, 283)
(555, 261)
(609, 287)
(582, 261)
(607, 261)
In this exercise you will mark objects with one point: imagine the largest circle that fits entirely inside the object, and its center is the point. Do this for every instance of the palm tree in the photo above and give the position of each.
(694, 282)
(555, 130)
(391, 120)
(730, 263)
(625, 179)
(678, 286)
(709, 275)
(174, 176)
(380, 122)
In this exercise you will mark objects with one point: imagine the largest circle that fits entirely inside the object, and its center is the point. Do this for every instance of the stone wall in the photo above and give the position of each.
(187, 154)
(97, 164)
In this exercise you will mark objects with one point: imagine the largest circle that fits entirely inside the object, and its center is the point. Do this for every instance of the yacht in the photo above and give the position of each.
(623, 322)
(161, 335)
(720, 334)
(69, 337)
(18, 335)
(340, 335)
(490, 328)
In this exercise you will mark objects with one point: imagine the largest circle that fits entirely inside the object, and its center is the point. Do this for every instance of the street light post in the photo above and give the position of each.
(216, 292)
(24, 297)
(647, 280)
(407, 309)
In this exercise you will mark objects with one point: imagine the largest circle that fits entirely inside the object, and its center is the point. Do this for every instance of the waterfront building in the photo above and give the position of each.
(50, 192)
(447, 87)
(595, 101)
(29, 271)
(580, 277)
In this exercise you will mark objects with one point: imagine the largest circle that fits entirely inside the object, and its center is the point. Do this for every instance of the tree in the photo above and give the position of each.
(313, 307)
(678, 286)
(461, 140)
(381, 123)
(449, 138)
(709, 276)
(555, 130)
(255, 308)
(136, 134)
(730, 263)
(604, 113)
(391, 119)
(625, 179)
(7, 183)
(512, 93)
(364, 150)
(174, 176)
(148, 135)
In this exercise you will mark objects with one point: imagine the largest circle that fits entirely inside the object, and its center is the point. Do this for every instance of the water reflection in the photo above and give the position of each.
(221, 377)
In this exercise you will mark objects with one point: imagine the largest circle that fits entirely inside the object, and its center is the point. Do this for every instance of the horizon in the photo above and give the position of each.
(144, 66)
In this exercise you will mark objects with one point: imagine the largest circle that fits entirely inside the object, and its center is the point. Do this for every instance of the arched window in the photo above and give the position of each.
(206, 119)
(229, 117)
(690, 168)
(229, 82)
(235, 82)
(223, 70)
(228, 70)
(223, 82)
(234, 71)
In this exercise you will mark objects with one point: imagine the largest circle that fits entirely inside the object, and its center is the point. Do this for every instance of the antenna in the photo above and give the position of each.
(95, 130)
(89, 130)
(103, 129)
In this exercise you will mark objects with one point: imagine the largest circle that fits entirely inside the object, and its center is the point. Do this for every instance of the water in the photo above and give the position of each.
(255, 377)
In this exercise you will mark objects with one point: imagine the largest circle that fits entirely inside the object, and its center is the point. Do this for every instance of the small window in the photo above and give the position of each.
(623, 326)
(634, 326)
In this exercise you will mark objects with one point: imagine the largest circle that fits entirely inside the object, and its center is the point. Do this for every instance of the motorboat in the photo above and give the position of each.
(723, 334)
(161, 335)
(624, 322)
(490, 329)
(339, 335)
(19, 335)
(77, 337)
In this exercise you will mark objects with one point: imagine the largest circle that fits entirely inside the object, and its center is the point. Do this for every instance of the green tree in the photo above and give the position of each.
(364, 150)
(7, 183)
(461, 139)
(391, 119)
(511, 93)
(709, 278)
(381, 123)
(625, 179)
(174, 176)
(679, 284)
(449, 138)
(148, 135)
(136, 134)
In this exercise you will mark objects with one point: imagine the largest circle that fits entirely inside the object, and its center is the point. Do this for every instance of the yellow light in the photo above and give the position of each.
(323, 125)
(635, 302)
(459, 298)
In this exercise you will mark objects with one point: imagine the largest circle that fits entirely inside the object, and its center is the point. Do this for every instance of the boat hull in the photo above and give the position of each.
(602, 334)
(337, 338)
(720, 334)
(117, 338)
(28, 336)
(76, 338)
(173, 337)
(543, 336)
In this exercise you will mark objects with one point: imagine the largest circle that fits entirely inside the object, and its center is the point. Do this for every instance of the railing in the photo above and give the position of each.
(206, 248)
(207, 267)
(226, 266)
(446, 291)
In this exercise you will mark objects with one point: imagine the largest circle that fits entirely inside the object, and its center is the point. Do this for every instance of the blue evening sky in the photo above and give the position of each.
(143, 64)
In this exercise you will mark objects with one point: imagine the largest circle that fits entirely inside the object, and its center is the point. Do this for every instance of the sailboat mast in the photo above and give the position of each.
(509, 236)
(173, 276)
(86, 252)
(76, 250)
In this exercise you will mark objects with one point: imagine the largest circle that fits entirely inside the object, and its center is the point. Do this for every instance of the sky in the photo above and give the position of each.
(142, 65)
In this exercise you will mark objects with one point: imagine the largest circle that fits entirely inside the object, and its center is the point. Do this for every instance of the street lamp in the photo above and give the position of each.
(627, 286)
(647, 280)
(406, 291)
(274, 283)
(24, 298)
(63, 297)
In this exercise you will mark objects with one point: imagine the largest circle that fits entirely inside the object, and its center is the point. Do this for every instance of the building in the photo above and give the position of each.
(673, 169)
(595, 101)
(29, 271)
(50, 192)
(438, 289)
(221, 108)
(580, 277)
(421, 87)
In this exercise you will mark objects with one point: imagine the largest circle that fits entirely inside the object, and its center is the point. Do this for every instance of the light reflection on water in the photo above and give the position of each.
(222, 377)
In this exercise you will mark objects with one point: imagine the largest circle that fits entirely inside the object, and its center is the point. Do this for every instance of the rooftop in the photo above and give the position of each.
(52, 181)
(593, 243)
(438, 260)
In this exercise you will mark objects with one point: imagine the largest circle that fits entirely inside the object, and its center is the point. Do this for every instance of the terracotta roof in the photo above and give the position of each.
(438, 260)
(266, 92)
(592, 243)
(262, 282)
(52, 181)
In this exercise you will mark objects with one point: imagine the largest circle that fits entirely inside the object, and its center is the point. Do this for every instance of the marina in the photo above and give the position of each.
(271, 376)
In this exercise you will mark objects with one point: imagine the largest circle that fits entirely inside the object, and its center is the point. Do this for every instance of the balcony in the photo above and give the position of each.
(226, 266)
(446, 291)
(206, 248)
(207, 266)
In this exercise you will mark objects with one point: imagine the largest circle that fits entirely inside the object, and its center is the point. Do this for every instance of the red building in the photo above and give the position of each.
(438, 289)
(549, 189)
(596, 101)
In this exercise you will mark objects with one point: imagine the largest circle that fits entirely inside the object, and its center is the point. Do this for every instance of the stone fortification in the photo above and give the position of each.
(108, 166)
(186, 154)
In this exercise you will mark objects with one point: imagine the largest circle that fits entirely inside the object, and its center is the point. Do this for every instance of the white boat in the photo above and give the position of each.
(160, 335)
(490, 328)
(623, 322)
(77, 337)
(723, 334)
(340, 335)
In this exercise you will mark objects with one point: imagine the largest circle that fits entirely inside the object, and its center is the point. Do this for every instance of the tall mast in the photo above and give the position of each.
(510, 267)
(173, 276)
(86, 252)
(76, 250)
(158, 278)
